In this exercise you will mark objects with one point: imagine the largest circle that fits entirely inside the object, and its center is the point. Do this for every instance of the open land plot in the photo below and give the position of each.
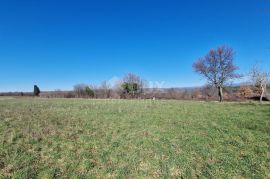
(60, 138)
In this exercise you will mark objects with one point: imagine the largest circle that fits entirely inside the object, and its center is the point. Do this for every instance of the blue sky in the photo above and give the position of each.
(56, 44)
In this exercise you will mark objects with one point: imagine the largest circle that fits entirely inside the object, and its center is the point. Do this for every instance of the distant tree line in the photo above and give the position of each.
(217, 67)
(131, 86)
(206, 93)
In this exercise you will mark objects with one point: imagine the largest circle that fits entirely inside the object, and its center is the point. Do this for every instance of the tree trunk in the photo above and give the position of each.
(220, 94)
(262, 93)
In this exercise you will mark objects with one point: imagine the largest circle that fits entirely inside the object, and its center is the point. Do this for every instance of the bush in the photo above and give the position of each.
(245, 91)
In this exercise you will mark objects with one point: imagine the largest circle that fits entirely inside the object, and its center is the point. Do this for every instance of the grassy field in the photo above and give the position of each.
(57, 138)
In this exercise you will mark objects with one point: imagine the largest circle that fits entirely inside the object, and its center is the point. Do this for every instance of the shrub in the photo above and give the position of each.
(245, 91)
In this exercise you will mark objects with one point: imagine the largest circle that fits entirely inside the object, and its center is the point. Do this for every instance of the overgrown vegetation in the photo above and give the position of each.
(51, 138)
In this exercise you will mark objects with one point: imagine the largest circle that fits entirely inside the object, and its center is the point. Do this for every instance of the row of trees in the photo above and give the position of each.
(217, 67)
(82, 90)
(130, 86)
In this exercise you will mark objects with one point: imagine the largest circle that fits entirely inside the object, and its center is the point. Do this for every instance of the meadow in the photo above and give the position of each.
(78, 138)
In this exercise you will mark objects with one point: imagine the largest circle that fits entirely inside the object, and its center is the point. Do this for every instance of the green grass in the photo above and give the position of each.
(42, 138)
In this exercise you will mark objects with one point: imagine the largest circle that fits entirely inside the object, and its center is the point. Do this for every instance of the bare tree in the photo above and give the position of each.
(260, 80)
(79, 90)
(217, 67)
(105, 90)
